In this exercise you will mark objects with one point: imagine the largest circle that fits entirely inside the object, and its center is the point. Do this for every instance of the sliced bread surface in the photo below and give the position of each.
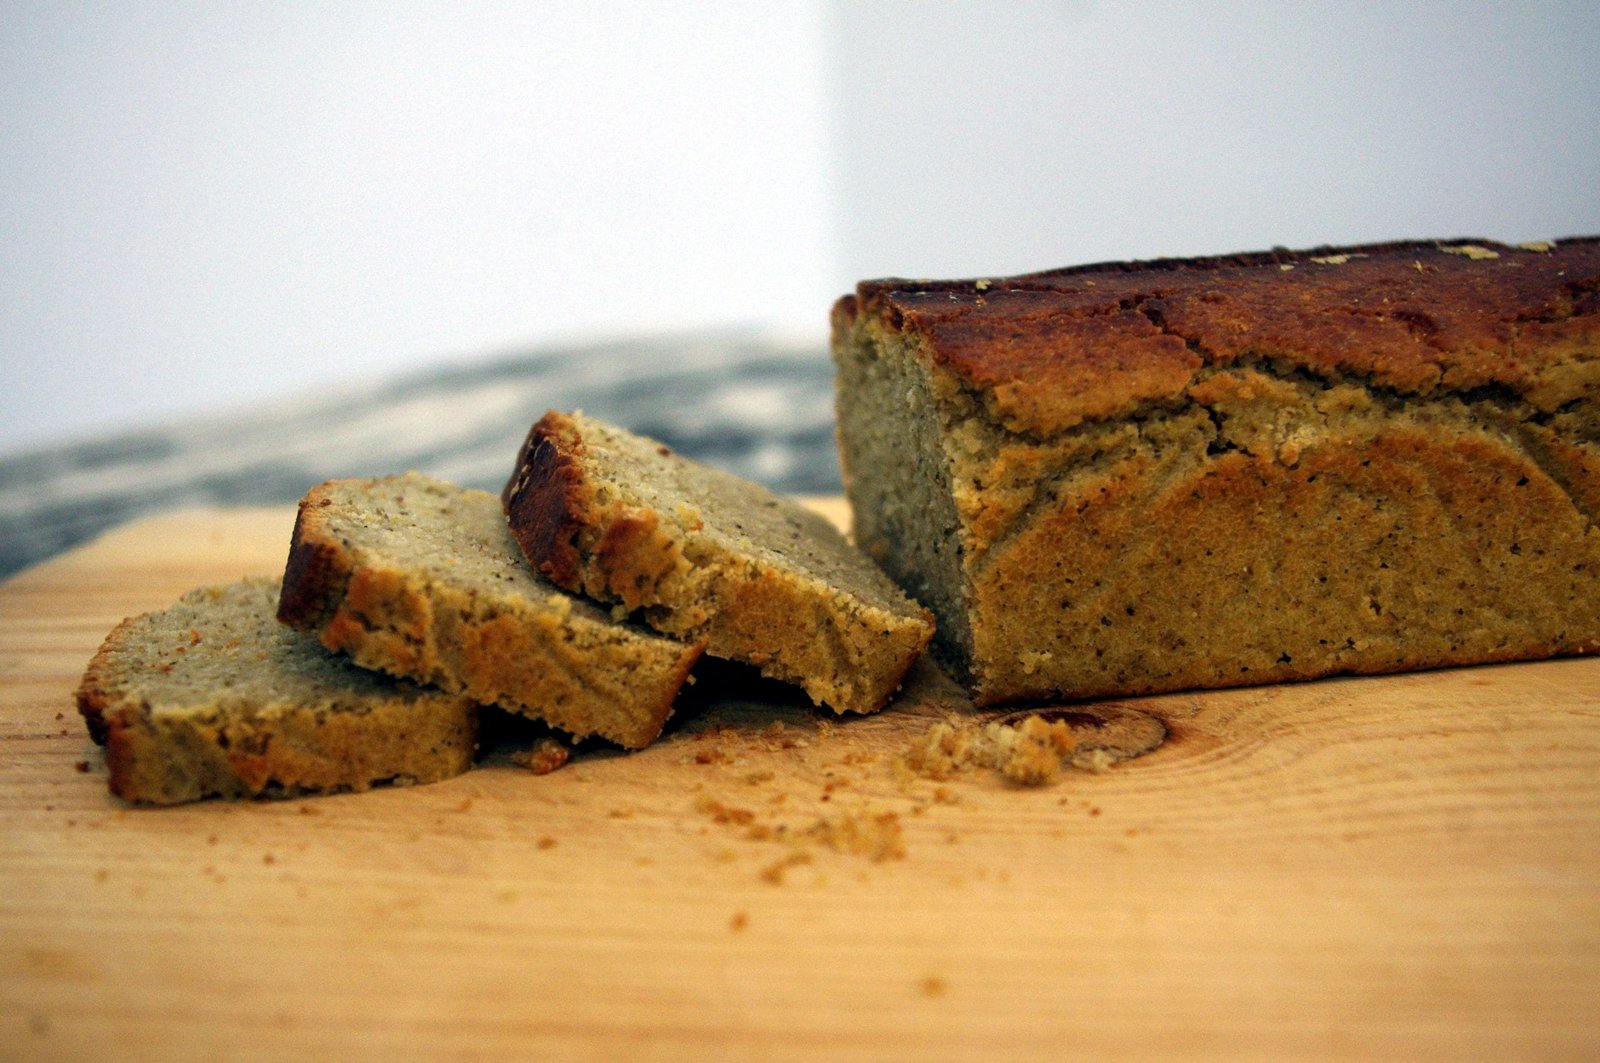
(706, 555)
(420, 578)
(212, 697)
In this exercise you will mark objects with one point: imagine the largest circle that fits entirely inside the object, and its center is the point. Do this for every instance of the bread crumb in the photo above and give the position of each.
(83, 766)
(1336, 260)
(721, 813)
(545, 842)
(874, 835)
(1472, 251)
(773, 873)
(1543, 247)
(1097, 761)
(932, 986)
(544, 756)
(778, 737)
(945, 750)
(739, 921)
(1030, 753)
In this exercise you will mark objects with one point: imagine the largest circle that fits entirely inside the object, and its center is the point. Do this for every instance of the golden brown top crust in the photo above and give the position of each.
(546, 495)
(1049, 350)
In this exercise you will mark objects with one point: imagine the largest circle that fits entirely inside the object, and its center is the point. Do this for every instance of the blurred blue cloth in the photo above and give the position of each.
(753, 406)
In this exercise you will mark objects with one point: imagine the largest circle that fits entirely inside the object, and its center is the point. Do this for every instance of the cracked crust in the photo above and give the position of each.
(419, 578)
(1048, 351)
(702, 554)
(1145, 476)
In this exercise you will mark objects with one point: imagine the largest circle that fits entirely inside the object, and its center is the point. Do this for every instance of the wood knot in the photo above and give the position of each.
(1109, 727)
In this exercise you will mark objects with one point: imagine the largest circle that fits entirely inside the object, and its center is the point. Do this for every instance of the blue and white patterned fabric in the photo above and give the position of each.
(757, 407)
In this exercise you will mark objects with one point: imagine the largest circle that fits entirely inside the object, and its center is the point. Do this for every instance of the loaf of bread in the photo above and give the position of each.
(1136, 477)
(705, 555)
(420, 578)
(214, 697)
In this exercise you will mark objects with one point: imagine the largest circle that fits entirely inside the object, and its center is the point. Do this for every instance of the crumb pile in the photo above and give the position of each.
(1030, 753)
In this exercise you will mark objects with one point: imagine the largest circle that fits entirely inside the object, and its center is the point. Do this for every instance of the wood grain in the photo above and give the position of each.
(1399, 867)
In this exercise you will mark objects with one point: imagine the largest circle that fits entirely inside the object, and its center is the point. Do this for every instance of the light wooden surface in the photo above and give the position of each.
(1402, 868)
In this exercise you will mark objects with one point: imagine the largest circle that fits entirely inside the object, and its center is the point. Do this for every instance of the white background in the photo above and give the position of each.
(202, 204)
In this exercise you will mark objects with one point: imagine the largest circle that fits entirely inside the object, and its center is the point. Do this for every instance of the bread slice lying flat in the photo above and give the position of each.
(420, 578)
(706, 555)
(213, 697)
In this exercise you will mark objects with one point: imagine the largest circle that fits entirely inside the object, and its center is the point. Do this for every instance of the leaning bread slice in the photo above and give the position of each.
(212, 697)
(707, 555)
(420, 578)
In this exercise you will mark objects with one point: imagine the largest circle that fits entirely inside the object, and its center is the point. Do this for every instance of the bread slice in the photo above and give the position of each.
(213, 697)
(1133, 477)
(706, 555)
(420, 578)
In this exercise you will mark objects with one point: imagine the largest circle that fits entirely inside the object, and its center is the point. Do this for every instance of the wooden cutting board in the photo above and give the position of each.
(1401, 867)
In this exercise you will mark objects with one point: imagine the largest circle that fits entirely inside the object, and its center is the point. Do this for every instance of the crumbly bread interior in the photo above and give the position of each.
(420, 578)
(1267, 519)
(897, 477)
(213, 697)
(703, 554)
(733, 517)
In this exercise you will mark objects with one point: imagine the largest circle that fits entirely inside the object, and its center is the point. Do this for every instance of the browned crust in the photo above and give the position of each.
(871, 290)
(545, 497)
(105, 724)
(316, 574)
(121, 760)
(93, 702)
(1049, 350)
